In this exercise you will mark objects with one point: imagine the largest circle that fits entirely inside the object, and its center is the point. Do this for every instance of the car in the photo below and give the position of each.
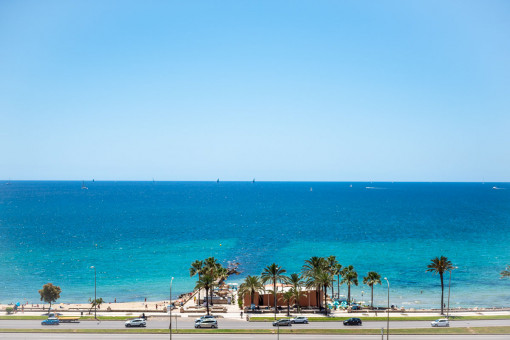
(440, 323)
(207, 323)
(355, 307)
(205, 317)
(136, 323)
(283, 322)
(51, 321)
(299, 319)
(353, 322)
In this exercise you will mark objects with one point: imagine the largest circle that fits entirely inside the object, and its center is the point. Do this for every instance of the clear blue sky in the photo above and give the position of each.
(276, 90)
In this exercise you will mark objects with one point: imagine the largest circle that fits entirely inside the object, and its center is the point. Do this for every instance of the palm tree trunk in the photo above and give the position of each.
(199, 289)
(212, 288)
(288, 308)
(442, 292)
(274, 292)
(325, 298)
(207, 303)
(338, 285)
(372, 298)
(348, 294)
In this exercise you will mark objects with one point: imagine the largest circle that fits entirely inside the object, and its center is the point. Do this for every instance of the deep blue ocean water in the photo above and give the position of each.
(140, 234)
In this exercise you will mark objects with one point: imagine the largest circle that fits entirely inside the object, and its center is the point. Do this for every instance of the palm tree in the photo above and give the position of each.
(205, 282)
(310, 272)
(251, 285)
(439, 265)
(274, 273)
(338, 271)
(212, 267)
(196, 268)
(372, 279)
(287, 298)
(296, 282)
(506, 273)
(325, 279)
(333, 267)
(350, 277)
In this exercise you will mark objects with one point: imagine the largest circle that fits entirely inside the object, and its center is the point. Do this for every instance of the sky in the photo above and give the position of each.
(272, 90)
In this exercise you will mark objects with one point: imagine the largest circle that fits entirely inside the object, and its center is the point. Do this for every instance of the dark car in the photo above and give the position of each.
(283, 322)
(352, 322)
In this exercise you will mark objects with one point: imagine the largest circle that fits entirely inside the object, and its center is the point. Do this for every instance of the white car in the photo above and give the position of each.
(440, 323)
(136, 323)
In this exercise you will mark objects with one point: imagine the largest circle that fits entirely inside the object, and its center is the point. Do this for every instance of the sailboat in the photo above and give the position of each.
(83, 185)
(218, 180)
(253, 180)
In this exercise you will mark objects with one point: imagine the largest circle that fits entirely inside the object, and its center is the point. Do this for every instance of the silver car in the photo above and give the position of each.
(136, 323)
(299, 319)
(207, 323)
(440, 323)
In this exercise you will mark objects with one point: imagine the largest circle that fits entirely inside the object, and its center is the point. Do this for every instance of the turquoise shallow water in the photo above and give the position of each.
(139, 234)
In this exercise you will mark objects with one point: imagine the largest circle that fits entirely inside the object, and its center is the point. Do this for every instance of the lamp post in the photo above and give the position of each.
(361, 302)
(449, 284)
(95, 291)
(170, 306)
(388, 311)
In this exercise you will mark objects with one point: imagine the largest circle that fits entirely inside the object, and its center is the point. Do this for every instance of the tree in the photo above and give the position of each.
(273, 274)
(506, 273)
(350, 277)
(338, 271)
(196, 268)
(372, 279)
(251, 285)
(296, 282)
(212, 267)
(287, 297)
(310, 271)
(205, 282)
(325, 279)
(95, 302)
(50, 293)
(333, 267)
(439, 265)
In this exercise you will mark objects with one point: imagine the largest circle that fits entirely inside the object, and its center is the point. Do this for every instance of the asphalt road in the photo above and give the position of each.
(188, 323)
(55, 336)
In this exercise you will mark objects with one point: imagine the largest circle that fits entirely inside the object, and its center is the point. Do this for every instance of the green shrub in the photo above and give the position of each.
(9, 310)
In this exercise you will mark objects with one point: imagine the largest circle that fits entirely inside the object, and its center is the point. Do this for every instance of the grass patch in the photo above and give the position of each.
(382, 318)
(417, 331)
(81, 318)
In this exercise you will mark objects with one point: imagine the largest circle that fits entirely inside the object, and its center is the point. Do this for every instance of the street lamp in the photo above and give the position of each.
(362, 298)
(449, 284)
(170, 306)
(95, 297)
(388, 321)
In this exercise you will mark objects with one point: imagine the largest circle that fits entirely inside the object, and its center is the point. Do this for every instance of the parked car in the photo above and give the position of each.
(352, 322)
(282, 322)
(136, 323)
(299, 319)
(355, 307)
(207, 323)
(440, 323)
(51, 321)
(205, 317)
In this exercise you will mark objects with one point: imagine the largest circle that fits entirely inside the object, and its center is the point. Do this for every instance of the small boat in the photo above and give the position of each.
(218, 180)
(253, 180)
(83, 185)
(311, 189)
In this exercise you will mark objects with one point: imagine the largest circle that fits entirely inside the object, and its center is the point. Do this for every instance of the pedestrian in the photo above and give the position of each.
(241, 314)
(145, 299)
(115, 300)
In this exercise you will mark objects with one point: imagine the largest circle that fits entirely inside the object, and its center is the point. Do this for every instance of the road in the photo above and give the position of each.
(188, 323)
(55, 336)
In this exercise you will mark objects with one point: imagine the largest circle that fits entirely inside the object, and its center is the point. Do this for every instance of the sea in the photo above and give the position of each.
(138, 235)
